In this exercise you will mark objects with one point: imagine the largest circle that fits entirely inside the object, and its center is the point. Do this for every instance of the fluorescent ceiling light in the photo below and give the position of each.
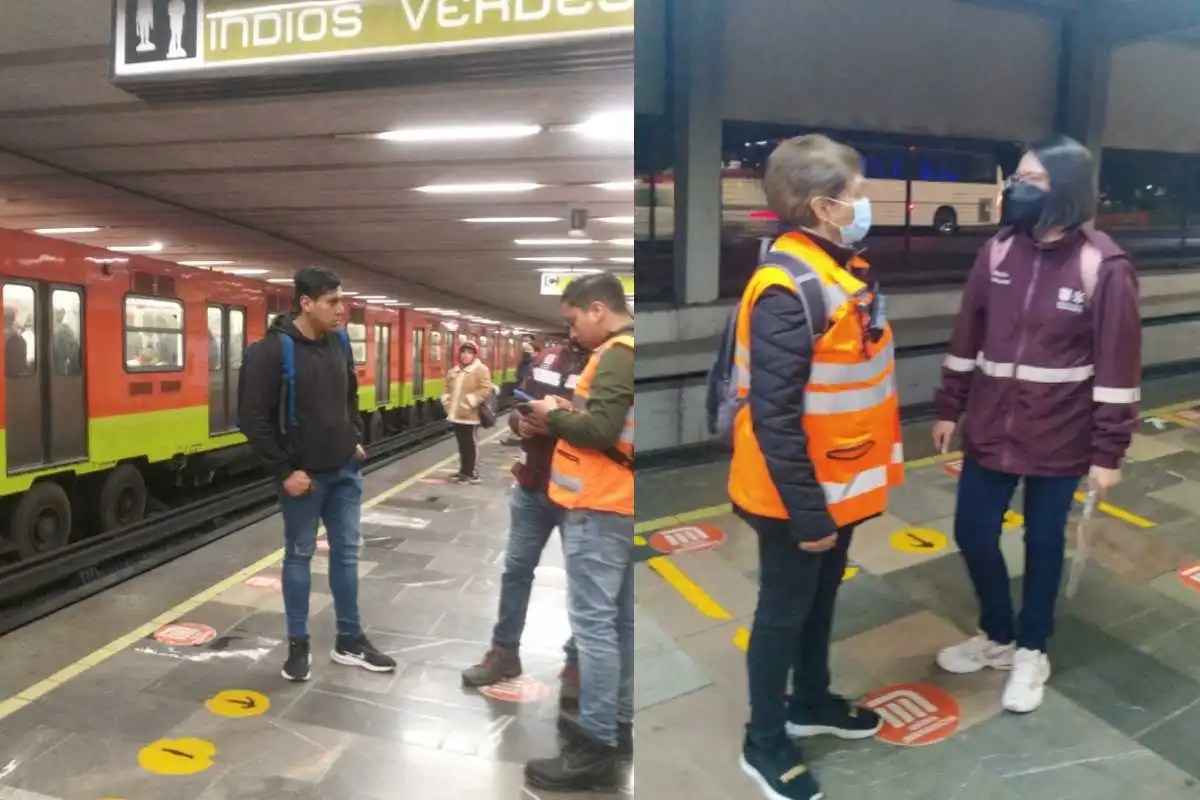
(344, 294)
(284, 280)
(622, 260)
(574, 271)
(513, 219)
(459, 133)
(552, 241)
(479, 188)
(60, 231)
(615, 186)
(616, 220)
(611, 126)
(373, 297)
(621, 242)
(396, 303)
(153, 247)
(203, 263)
(245, 271)
(556, 259)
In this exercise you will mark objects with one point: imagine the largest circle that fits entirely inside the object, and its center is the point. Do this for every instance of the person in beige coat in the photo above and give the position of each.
(468, 386)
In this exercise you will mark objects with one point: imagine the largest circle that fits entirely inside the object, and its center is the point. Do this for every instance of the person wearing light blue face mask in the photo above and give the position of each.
(816, 447)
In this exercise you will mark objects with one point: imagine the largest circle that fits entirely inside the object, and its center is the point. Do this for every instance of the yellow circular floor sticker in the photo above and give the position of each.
(850, 572)
(177, 756)
(238, 703)
(918, 540)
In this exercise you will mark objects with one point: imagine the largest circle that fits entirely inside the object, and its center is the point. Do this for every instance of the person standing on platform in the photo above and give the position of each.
(816, 447)
(591, 477)
(533, 518)
(1046, 364)
(469, 386)
(315, 454)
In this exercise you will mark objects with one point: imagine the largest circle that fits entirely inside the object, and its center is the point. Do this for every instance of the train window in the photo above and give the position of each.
(216, 339)
(66, 352)
(153, 334)
(418, 362)
(357, 331)
(20, 335)
(435, 346)
(237, 337)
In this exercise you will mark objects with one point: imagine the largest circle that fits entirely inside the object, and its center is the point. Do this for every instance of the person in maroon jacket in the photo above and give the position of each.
(1046, 365)
(534, 518)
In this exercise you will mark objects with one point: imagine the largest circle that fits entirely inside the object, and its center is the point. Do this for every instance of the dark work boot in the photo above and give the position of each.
(569, 726)
(568, 692)
(498, 664)
(584, 765)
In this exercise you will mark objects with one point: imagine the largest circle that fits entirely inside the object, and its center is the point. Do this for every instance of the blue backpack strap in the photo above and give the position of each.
(344, 338)
(288, 351)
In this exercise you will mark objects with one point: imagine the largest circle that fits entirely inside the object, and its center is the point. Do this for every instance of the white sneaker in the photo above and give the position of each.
(974, 654)
(1026, 685)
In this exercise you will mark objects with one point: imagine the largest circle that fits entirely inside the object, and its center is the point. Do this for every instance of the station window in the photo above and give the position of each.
(153, 334)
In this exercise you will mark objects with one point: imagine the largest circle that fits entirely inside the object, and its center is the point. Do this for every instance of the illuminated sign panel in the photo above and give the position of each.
(554, 283)
(156, 37)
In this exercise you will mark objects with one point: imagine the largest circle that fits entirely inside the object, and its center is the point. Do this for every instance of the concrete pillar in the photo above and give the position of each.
(1085, 63)
(696, 65)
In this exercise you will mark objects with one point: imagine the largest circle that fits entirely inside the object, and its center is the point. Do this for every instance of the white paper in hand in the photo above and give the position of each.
(1083, 544)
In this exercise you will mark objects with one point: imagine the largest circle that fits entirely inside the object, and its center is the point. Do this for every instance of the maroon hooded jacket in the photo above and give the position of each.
(1048, 376)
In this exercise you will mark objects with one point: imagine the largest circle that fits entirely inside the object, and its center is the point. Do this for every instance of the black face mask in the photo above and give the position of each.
(1023, 206)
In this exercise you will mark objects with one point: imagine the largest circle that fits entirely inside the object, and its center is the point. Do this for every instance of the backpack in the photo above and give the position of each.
(1090, 259)
(287, 390)
(721, 401)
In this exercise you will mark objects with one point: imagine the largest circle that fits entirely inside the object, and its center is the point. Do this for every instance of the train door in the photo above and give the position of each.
(383, 360)
(226, 343)
(46, 399)
(418, 364)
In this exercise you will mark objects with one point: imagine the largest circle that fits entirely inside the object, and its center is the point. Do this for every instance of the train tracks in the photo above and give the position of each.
(35, 587)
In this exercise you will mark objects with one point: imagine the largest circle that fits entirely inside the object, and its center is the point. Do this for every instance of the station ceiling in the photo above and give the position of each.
(282, 182)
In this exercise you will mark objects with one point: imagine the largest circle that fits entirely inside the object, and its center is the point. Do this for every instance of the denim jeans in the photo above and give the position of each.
(533, 517)
(599, 555)
(336, 500)
(793, 622)
(983, 497)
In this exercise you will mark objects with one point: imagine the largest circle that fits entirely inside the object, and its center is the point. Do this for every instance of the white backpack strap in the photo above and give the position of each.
(1090, 259)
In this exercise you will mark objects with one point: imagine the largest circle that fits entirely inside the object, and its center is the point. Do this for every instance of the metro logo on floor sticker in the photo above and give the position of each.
(185, 634)
(522, 689)
(954, 467)
(1190, 575)
(263, 582)
(177, 756)
(914, 715)
(918, 540)
(238, 703)
(687, 539)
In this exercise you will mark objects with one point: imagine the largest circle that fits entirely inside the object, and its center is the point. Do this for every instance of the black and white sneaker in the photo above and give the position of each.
(780, 771)
(357, 651)
(299, 661)
(833, 715)
(472, 478)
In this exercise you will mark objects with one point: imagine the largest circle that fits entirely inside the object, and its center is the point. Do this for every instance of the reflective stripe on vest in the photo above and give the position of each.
(591, 479)
(851, 410)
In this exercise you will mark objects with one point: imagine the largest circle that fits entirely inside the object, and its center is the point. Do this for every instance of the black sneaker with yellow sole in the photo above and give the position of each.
(832, 715)
(780, 771)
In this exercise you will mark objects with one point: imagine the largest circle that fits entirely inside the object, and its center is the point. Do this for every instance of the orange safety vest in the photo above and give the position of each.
(592, 479)
(851, 410)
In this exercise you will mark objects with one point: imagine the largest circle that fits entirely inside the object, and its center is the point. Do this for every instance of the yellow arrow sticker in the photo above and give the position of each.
(850, 572)
(918, 540)
(238, 703)
(177, 756)
(1013, 520)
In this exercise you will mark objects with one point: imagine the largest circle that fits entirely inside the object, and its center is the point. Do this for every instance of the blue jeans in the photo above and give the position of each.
(983, 497)
(599, 554)
(336, 500)
(533, 518)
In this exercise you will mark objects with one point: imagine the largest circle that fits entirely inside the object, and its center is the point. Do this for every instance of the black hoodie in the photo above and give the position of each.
(330, 426)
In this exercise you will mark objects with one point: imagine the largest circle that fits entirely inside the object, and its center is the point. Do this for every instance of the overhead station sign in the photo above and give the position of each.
(212, 37)
(553, 283)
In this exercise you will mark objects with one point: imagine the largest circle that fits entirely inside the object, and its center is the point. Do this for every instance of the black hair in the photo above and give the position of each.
(468, 345)
(315, 283)
(603, 287)
(1072, 198)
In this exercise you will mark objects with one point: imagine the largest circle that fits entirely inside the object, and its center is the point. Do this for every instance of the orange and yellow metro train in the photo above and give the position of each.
(119, 368)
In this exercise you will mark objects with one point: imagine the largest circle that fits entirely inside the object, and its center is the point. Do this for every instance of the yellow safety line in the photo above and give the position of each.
(1118, 512)
(23, 698)
(688, 588)
(741, 639)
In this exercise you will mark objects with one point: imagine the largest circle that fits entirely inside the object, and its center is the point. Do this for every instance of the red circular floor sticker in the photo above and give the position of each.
(185, 634)
(687, 539)
(522, 689)
(914, 714)
(1190, 574)
(953, 467)
(263, 582)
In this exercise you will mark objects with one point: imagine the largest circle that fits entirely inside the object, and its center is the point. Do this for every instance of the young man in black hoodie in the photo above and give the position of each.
(317, 458)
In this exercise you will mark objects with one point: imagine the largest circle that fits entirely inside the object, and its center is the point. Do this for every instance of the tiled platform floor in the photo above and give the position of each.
(1121, 718)
(431, 563)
